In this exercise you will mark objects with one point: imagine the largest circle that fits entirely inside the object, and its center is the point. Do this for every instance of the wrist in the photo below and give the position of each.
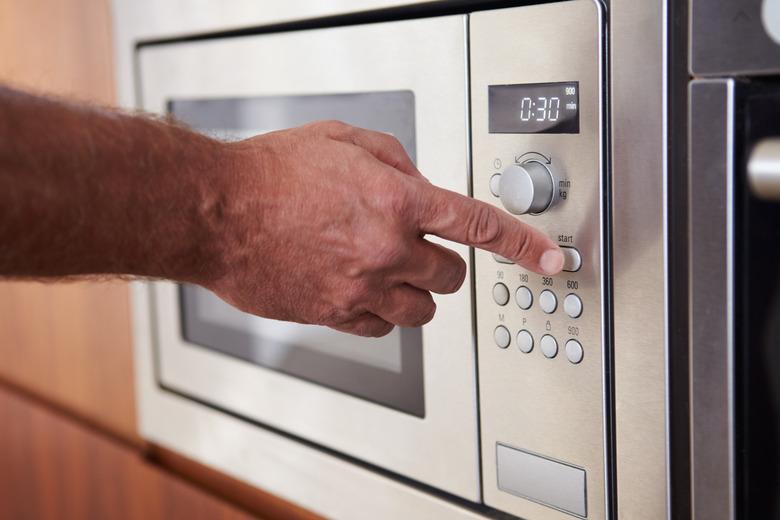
(213, 175)
(228, 208)
(186, 215)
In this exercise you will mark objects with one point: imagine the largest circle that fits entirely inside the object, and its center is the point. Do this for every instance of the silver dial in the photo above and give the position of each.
(526, 188)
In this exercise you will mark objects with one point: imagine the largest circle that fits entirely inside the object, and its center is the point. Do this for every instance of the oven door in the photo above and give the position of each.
(735, 298)
(406, 402)
(756, 275)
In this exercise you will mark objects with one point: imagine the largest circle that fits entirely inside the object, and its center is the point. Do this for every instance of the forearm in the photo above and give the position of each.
(91, 191)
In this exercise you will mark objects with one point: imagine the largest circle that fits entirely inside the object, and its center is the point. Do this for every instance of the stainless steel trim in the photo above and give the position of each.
(764, 169)
(730, 294)
(665, 192)
(711, 312)
(605, 237)
(639, 225)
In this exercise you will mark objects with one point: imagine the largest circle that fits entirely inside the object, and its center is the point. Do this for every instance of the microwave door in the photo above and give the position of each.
(757, 301)
(735, 299)
(406, 402)
(388, 370)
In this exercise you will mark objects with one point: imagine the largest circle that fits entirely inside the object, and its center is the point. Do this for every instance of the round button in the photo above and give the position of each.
(572, 259)
(524, 297)
(548, 302)
(549, 346)
(526, 188)
(525, 342)
(574, 351)
(502, 337)
(572, 306)
(495, 180)
(500, 294)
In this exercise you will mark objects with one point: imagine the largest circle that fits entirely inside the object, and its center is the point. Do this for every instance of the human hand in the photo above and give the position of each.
(325, 224)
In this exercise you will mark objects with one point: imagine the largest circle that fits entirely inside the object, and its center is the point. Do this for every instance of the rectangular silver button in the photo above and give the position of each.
(542, 480)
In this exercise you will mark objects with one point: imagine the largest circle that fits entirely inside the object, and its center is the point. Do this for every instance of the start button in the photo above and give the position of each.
(572, 261)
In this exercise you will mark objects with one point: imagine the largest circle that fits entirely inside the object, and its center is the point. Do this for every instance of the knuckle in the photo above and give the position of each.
(382, 330)
(351, 298)
(394, 145)
(390, 140)
(362, 328)
(333, 124)
(431, 206)
(333, 316)
(333, 128)
(358, 292)
(372, 328)
(424, 314)
(395, 200)
(387, 254)
(354, 158)
(522, 246)
(457, 277)
(483, 226)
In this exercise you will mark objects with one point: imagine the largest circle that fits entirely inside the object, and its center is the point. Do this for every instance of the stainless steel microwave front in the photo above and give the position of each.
(406, 403)
(535, 121)
(537, 136)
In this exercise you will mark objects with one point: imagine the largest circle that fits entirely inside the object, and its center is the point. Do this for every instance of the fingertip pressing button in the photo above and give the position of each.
(547, 301)
(524, 297)
(500, 294)
(572, 260)
(502, 336)
(572, 305)
(574, 352)
(549, 346)
(525, 342)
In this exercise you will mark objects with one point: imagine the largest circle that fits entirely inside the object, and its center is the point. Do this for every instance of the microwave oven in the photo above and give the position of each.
(449, 404)
(582, 395)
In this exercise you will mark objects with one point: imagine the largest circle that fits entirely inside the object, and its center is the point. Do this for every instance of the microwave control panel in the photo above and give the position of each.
(537, 99)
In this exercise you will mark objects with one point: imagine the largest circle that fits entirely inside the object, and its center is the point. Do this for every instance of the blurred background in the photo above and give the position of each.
(69, 446)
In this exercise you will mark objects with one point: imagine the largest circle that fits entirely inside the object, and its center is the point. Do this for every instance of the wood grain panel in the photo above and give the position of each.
(236, 492)
(52, 467)
(71, 344)
(60, 47)
(68, 343)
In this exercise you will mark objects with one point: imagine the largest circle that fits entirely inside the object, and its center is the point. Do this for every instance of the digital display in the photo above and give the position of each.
(534, 108)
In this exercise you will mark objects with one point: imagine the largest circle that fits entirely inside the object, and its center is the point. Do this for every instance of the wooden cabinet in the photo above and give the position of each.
(52, 467)
(68, 343)
(68, 441)
(60, 47)
(71, 344)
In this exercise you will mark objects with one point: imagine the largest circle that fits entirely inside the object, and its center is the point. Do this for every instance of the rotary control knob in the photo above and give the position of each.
(526, 188)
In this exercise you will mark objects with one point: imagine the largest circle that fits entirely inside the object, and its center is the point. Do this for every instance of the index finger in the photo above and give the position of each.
(455, 217)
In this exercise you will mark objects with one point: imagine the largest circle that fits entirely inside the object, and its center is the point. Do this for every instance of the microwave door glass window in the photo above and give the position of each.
(387, 370)
(238, 118)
